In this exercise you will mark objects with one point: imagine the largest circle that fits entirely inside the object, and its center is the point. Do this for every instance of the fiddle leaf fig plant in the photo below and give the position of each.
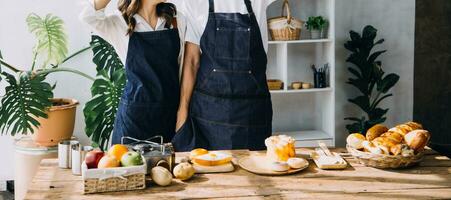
(27, 93)
(106, 91)
(369, 78)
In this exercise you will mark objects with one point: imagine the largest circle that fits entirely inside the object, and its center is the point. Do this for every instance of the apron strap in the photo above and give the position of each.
(249, 7)
(212, 6)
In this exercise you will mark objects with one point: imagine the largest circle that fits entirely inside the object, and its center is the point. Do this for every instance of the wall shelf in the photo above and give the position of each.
(313, 90)
(308, 115)
(303, 41)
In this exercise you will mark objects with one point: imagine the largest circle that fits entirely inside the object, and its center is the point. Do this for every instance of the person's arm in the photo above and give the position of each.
(189, 73)
(101, 4)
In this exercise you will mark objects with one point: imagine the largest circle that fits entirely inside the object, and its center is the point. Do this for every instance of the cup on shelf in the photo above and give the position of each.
(296, 85)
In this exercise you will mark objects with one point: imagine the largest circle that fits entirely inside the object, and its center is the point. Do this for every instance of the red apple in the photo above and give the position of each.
(92, 158)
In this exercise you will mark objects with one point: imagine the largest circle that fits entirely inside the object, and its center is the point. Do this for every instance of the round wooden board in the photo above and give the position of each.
(262, 166)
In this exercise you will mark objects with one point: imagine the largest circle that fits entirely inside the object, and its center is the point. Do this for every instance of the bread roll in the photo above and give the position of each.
(393, 136)
(414, 125)
(384, 143)
(355, 140)
(375, 131)
(417, 139)
(370, 147)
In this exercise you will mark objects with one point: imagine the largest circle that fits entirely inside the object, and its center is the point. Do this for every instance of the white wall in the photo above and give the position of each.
(394, 19)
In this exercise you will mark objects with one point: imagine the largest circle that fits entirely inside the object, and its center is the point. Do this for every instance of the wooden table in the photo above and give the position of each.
(430, 180)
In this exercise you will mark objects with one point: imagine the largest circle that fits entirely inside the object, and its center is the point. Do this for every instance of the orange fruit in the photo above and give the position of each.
(117, 151)
(108, 161)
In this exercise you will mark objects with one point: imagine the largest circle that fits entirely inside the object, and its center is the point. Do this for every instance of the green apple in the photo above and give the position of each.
(131, 158)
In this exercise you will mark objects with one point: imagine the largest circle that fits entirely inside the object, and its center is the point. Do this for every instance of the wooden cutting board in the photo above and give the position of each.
(262, 166)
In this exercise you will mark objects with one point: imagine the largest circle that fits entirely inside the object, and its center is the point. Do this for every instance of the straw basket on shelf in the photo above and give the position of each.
(382, 161)
(285, 27)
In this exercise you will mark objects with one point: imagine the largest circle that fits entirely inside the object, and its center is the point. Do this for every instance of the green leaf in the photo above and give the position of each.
(25, 100)
(355, 72)
(362, 101)
(374, 56)
(52, 39)
(380, 99)
(355, 36)
(387, 83)
(100, 111)
(360, 84)
(379, 42)
(369, 33)
(105, 57)
(377, 113)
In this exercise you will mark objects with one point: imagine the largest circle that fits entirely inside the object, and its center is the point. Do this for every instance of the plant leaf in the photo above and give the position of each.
(377, 113)
(369, 33)
(105, 57)
(387, 83)
(355, 72)
(380, 99)
(374, 56)
(25, 100)
(362, 101)
(52, 39)
(100, 111)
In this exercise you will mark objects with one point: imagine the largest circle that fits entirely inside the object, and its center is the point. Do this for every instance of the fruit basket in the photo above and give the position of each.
(114, 179)
(383, 161)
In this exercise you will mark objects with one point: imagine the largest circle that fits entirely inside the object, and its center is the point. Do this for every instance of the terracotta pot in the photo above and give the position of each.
(59, 125)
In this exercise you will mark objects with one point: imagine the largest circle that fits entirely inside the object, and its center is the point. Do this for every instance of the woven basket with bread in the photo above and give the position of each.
(398, 147)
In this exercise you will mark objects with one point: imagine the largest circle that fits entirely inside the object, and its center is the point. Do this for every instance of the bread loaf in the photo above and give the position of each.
(370, 147)
(393, 136)
(375, 131)
(417, 139)
(384, 143)
(355, 140)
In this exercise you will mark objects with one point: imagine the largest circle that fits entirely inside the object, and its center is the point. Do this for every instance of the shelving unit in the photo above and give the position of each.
(308, 115)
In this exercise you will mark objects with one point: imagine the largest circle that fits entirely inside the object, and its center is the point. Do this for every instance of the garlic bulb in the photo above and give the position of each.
(183, 171)
(161, 176)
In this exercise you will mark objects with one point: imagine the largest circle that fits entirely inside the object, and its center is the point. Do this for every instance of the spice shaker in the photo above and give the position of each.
(65, 154)
(78, 156)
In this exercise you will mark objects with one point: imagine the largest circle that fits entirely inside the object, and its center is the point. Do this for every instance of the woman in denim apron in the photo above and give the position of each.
(230, 107)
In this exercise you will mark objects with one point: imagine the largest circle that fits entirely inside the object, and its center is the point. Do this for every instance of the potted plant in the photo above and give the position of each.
(316, 26)
(369, 79)
(28, 105)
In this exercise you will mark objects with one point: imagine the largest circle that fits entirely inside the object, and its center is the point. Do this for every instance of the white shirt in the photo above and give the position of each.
(196, 13)
(113, 28)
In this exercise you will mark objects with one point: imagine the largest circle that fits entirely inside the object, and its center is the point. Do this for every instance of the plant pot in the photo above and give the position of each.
(316, 34)
(59, 125)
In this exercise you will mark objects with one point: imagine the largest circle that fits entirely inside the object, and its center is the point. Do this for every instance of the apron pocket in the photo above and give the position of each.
(184, 139)
(232, 43)
(240, 83)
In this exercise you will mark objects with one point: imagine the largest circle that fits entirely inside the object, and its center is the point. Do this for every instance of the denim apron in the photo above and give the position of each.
(149, 104)
(231, 104)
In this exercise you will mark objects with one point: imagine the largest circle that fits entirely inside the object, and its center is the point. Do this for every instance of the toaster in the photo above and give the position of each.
(155, 153)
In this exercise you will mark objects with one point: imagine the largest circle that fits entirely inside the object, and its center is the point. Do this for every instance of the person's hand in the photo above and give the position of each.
(182, 116)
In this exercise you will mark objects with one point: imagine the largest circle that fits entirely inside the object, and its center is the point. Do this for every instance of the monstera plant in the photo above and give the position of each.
(100, 112)
(369, 78)
(28, 96)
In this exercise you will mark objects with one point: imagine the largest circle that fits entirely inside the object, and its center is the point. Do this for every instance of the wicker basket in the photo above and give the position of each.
(274, 84)
(285, 27)
(385, 161)
(114, 179)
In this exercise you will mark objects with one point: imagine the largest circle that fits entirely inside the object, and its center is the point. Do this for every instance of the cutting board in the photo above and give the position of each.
(261, 165)
(213, 169)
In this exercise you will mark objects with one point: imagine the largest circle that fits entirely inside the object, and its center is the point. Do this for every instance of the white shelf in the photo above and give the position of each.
(301, 41)
(290, 91)
(309, 138)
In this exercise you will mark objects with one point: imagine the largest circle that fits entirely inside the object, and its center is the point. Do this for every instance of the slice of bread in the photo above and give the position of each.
(212, 159)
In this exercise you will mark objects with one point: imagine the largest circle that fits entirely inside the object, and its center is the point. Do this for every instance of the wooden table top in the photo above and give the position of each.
(430, 180)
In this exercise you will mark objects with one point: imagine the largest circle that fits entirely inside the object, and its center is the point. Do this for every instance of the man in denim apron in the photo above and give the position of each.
(231, 105)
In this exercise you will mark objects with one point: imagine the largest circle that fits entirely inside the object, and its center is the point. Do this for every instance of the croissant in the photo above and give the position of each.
(417, 139)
